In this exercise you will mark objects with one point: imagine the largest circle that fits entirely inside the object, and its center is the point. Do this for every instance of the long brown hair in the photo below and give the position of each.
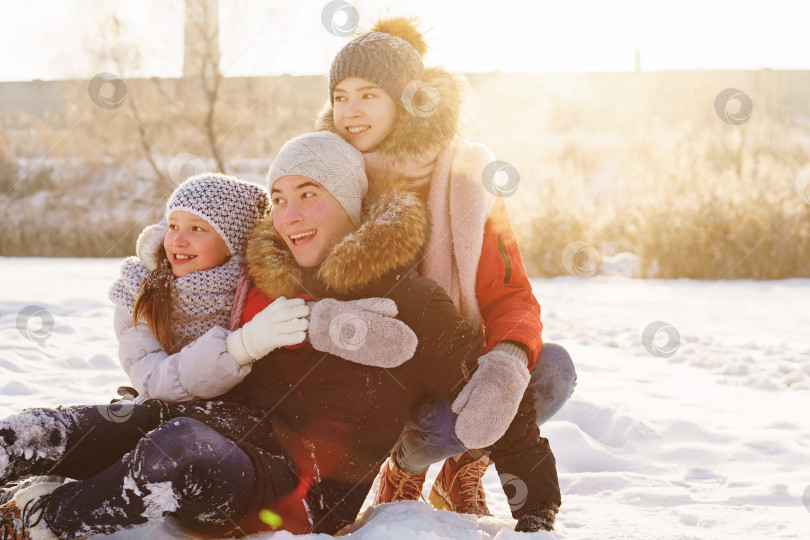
(154, 302)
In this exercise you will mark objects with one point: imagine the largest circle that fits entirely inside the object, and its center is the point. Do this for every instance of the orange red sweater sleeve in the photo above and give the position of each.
(509, 310)
(255, 301)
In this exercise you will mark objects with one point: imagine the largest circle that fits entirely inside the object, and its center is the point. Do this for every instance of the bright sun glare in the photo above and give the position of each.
(56, 40)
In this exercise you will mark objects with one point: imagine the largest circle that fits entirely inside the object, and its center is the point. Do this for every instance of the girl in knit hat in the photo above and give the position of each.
(177, 338)
(172, 319)
(404, 117)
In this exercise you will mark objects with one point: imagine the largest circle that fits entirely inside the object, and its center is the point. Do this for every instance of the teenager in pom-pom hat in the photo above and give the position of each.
(405, 118)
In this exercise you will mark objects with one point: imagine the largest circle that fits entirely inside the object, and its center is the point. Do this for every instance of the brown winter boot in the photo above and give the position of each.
(459, 486)
(398, 485)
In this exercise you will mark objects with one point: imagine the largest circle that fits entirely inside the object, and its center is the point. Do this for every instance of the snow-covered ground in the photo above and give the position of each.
(702, 433)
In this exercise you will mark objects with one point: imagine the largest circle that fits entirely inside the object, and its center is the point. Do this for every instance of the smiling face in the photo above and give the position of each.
(192, 244)
(364, 113)
(309, 218)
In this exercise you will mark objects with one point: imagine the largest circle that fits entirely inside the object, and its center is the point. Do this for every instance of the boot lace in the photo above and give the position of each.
(408, 487)
(471, 486)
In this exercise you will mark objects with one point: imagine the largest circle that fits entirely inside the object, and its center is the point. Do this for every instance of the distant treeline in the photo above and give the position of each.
(694, 177)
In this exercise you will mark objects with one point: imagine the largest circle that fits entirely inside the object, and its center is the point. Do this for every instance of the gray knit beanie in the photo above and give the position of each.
(389, 56)
(329, 160)
(232, 206)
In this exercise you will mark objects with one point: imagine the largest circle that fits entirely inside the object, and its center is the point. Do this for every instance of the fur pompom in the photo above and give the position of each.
(405, 28)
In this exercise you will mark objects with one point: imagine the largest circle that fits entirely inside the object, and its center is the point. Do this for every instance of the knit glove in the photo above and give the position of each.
(362, 331)
(281, 324)
(489, 401)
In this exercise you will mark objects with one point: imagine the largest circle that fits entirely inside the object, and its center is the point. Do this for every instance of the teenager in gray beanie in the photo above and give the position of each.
(337, 420)
(327, 159)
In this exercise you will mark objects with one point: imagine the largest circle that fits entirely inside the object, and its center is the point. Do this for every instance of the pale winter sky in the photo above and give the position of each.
(58, 39)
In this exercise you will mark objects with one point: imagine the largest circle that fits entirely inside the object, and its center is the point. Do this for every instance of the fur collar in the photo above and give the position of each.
(393, 230)
(419, 137)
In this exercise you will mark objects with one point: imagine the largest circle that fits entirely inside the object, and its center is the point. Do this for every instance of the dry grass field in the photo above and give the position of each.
(645, 163)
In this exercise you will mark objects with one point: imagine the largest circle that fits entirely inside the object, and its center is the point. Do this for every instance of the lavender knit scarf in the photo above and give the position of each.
(204, 298)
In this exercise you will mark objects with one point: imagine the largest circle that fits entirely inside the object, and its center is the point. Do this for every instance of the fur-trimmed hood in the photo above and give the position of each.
(393, 231)
(419, 136)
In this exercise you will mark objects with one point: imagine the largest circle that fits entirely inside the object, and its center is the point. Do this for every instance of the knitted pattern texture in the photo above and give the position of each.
(388, 61)
(203, 299)
(330, 161)
(232, 206)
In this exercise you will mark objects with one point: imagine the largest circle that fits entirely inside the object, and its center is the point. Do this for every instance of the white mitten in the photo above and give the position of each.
(489, 401)
(362, 331)
(281, 324)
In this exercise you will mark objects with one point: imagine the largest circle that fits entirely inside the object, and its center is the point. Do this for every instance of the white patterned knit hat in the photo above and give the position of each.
(329, 160)
(232, 206)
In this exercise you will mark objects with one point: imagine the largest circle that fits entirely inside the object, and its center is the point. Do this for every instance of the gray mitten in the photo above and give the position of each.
(489, 401)
(147, 248)
(362, 331)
